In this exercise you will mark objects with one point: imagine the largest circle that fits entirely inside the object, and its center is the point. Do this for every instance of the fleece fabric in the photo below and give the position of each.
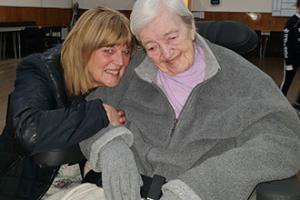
(236, 129)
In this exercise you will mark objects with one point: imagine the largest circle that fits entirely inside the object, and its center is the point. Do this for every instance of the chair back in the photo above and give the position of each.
(230, 34)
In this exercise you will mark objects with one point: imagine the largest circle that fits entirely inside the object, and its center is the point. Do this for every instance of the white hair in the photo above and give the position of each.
(144, 11)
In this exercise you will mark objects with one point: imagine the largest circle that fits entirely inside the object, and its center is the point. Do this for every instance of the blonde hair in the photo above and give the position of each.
(96, 28)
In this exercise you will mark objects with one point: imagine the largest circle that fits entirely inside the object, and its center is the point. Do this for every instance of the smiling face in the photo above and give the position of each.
(107, 65)
(168, 41)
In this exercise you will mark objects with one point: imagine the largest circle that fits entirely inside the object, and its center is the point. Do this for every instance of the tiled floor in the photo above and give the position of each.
(272, 66)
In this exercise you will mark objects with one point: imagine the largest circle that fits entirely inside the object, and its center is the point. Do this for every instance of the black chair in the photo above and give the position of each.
(244, 41)
(32, 40)
(286, 189)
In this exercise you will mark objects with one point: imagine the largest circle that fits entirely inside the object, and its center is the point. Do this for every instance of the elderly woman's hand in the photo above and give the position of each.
(115, 117)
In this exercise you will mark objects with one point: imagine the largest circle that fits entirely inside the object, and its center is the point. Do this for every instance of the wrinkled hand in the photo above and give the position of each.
(168, 195)
(115, 117)
(120, 177)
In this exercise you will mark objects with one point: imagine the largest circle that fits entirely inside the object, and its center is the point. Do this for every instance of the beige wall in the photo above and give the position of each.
(56, 3)
(38, 3)
(116, 4)
(233, 6)
(197, 5)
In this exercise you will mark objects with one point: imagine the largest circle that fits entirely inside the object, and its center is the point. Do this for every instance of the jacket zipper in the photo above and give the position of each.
(173, 128)
(186, 103)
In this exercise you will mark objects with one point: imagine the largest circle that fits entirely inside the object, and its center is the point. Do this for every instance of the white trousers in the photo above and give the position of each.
(86, 191)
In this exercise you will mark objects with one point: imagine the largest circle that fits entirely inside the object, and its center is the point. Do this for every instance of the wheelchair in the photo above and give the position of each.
(219, 32)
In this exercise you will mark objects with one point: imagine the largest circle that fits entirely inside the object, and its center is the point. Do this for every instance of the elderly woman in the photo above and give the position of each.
(202, 116)
(48, 106)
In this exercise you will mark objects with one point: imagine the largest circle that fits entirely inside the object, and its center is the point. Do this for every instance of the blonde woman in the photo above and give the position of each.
(48, 106)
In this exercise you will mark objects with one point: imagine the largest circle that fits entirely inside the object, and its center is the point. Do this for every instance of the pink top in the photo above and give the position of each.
(177, 88)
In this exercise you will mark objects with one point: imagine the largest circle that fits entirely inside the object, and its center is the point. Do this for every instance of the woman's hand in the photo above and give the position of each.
(122, 118)
(114, 116)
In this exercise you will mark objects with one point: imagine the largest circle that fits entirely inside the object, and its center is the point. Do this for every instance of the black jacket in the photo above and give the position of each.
(44, 117)
(291, 41)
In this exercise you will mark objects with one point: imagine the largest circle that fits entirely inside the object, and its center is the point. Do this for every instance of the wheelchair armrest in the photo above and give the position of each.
(231, 34)
(280, 189)
(57, 157)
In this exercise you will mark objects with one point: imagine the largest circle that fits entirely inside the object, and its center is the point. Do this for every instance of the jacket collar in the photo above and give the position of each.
(147, 71)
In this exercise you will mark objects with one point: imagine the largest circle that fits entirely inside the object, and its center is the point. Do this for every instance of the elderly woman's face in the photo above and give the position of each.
(169, 43)
(107, 65)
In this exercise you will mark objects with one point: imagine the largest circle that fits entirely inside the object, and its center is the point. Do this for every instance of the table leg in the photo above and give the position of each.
(1, 46)
(19, 44)
(263, 43)
(4, 46)
(14, 44)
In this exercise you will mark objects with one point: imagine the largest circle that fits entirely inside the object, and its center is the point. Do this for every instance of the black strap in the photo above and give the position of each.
(154, 191)
(81, 167)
